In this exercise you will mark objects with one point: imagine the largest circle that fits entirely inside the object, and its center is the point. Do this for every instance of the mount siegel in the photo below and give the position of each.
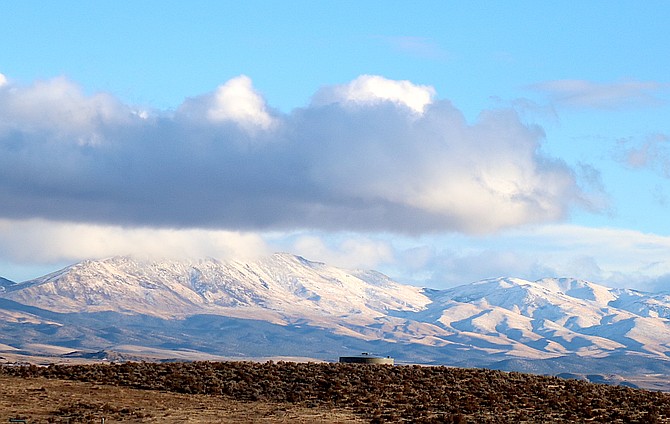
(287, 306)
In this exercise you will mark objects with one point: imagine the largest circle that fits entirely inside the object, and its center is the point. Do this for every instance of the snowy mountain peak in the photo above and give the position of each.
(516, 291)
(579, 289)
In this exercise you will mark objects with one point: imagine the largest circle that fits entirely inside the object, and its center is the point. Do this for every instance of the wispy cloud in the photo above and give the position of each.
(590, 94)
(653, 152)
(373, 154)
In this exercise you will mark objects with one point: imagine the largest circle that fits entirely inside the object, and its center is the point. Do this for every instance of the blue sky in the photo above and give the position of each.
(439, 142)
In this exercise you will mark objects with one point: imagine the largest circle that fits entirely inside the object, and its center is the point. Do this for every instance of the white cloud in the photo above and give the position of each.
(41, 241)
(57, 111)
(624, 258)
(235, 101)
(351, 252)
(474, 178)
(3, 80)
(371, 89)
(379, 166)
(589, 94)
(614, 257)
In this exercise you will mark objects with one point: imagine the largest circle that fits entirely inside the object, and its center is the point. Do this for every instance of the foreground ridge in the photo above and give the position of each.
(384, 393)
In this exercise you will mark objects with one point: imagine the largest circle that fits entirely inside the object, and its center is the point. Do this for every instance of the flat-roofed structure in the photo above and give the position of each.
(366, 358)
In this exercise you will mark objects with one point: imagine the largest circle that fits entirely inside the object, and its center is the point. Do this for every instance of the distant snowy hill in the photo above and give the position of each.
(285, 305)
(555, 316)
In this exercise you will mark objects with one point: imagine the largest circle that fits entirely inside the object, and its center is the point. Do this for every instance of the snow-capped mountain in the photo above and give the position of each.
(286, 305)
(281, 289)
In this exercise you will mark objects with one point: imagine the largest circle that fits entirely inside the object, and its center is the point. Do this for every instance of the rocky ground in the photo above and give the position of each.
(312, 392)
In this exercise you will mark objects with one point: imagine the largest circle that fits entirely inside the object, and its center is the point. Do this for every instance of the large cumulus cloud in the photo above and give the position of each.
(373, 155)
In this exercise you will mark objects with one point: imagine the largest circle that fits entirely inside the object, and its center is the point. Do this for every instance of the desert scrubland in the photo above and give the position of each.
(312, 392)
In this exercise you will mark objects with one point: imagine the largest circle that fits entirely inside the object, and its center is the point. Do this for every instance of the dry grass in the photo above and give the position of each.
(41, 400)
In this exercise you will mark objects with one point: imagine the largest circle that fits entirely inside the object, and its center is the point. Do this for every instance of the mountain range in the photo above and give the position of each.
(284, 306)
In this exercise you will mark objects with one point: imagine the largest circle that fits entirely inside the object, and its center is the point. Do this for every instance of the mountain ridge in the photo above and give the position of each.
(276, 299)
